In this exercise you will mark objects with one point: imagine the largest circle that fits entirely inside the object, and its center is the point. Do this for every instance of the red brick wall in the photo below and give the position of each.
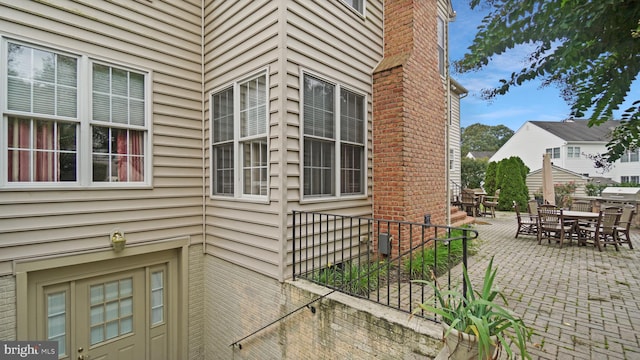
(409, 117)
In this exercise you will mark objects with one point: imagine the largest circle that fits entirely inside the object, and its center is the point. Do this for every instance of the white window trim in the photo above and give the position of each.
(84, 141)
(551, 152)
(572, 154)
(238, 181)
(362, 14)
(338, 86)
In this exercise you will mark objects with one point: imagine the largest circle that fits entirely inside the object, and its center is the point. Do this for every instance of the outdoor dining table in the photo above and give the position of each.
(580, 215)
(577, 216)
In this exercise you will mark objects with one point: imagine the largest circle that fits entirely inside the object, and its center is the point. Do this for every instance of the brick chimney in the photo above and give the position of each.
(409, 117)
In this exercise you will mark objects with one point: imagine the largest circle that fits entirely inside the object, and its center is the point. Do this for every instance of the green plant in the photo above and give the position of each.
(593, 189)
(480, 315)
(351, 277)
(511, 176)
(564, 193)
(438, 260)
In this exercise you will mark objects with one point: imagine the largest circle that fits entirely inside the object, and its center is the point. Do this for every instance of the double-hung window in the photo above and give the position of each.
(630, 156)
(42, 115)
(554, 152)
(334, 122)
(441, 55)
(452, 158)
(239, 151)
(630, 179)
(118, 124)
(573, 152)
(43, 119)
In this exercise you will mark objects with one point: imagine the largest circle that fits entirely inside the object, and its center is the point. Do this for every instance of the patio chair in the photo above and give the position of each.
(604, 230)
(490, 203)
(584, 206)
(532, 206)
(624, 225)
(469, 202)
(581, 205)
(551, 224)
(526, 225)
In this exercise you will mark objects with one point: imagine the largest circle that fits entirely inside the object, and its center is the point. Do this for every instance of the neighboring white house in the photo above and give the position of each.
(480, 154)
(569, 142)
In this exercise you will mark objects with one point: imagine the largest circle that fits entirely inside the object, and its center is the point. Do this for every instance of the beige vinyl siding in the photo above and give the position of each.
(454, 138)
(330, 41)
(240, 38)
(560, 176)
(162, 38)
(324, 37)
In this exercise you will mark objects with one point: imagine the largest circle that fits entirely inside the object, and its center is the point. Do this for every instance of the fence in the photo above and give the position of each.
(377, 259)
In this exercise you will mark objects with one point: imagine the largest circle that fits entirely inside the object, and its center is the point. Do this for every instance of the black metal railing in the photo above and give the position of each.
(377, 259)
(456, 190)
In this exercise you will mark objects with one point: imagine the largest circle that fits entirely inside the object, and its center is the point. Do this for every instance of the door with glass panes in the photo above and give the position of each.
(119, 315)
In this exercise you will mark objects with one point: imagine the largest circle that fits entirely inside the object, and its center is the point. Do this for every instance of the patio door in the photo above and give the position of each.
(114, 310)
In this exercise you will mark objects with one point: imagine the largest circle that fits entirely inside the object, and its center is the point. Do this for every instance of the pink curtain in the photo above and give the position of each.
(45, 164)
(18, 164)
(121, 145)
(136, 141)
(130, 155)
(20, 149)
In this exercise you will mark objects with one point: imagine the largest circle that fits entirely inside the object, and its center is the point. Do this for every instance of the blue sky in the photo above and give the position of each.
(520, 104)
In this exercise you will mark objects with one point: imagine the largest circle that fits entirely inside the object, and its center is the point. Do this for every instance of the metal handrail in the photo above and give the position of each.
(334, 229)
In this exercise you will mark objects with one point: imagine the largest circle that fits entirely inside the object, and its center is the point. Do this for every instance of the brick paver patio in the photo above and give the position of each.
(583, 304)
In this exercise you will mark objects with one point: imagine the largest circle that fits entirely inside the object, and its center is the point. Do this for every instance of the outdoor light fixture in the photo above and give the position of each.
(118, 240)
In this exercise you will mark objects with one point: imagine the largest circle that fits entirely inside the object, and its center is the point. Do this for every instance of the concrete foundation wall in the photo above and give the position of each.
(239, 302)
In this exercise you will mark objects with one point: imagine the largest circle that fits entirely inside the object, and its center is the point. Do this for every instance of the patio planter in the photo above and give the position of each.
(462, 346)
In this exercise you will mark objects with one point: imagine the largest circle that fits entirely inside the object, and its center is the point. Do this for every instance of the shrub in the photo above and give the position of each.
(511, 178)
(564, 194)
(438, 259)
(351, 277)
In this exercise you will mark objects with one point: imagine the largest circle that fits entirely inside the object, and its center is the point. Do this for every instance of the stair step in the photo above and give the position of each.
(460, 218)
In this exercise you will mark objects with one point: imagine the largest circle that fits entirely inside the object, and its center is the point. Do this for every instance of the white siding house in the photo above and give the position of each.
(568, 142)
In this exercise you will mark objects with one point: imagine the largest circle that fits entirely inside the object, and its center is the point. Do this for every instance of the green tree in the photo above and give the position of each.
(472, 172)
(481, 137)
(589, 49)
(490, 185)
(511, 176)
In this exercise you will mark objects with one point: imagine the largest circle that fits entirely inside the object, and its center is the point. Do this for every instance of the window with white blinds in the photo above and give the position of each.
(239, 117)
(118, 130)
(42, 115)
(45, 118)
(334, 122)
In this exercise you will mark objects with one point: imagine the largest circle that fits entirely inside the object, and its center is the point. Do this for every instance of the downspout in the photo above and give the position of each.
(204, 140)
